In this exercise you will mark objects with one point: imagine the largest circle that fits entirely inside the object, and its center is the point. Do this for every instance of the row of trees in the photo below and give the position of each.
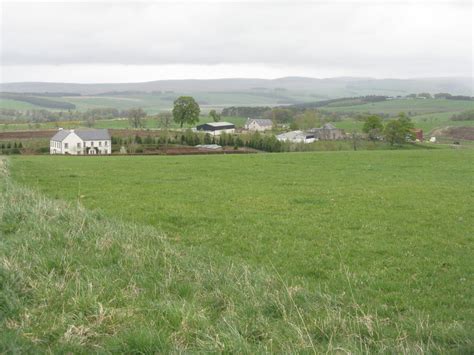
(395, 131)
(463, 116)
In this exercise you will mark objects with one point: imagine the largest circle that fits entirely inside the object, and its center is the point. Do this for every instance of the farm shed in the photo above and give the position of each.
(418, 133)
(217, 128)
(328, 132)
(81, 142)
(296, 137)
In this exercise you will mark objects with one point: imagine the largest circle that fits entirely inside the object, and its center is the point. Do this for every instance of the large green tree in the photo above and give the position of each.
(186, 110)
(214, 115)
(373, 126)
(399, 131)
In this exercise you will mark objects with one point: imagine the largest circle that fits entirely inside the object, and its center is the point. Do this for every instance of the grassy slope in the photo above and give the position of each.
(17, 105)
(77, 281)
(153, 103)
(389, 230)
(408, 105)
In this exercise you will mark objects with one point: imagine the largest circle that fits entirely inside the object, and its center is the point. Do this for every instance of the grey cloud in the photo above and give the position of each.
(344, 35)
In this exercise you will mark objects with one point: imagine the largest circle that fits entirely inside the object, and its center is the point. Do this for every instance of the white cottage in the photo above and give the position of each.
(258, 124)
(81, 142)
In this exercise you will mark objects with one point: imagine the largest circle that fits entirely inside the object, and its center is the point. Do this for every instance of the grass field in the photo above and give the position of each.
(119, 123)
(415, 106)
(154, 103)
(389, 231)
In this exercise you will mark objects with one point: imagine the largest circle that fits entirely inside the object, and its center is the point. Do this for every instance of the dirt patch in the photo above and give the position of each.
(466, 133)
(28, 134)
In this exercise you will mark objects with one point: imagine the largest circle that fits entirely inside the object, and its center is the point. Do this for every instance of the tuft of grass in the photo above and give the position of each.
(74, 280)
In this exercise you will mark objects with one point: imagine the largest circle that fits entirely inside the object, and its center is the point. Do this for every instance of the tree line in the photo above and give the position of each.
(394, 131)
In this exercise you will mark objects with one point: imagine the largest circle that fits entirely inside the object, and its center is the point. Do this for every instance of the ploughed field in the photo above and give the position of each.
(390, 232)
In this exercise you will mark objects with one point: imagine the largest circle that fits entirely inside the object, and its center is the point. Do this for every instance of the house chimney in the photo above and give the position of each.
(71, 130)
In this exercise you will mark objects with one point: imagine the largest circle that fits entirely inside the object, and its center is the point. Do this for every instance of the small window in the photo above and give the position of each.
(78, 145)
(100, 144)
(66, 145)
(106, 143)
(92, 144)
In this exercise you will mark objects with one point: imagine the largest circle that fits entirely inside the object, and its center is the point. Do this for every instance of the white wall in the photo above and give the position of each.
(254, 126)
(220, 131)
(74, 145)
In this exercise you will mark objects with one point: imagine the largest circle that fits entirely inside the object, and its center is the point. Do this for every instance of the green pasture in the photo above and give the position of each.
(389, 231)
(415, 106)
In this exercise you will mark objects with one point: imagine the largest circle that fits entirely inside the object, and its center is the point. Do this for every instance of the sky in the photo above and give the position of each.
(125, 41)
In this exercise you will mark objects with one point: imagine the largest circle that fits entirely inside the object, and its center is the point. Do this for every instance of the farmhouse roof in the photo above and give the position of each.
(93, 134)
(84, 134)
(329, 126)
(60, 135)
(261, 121)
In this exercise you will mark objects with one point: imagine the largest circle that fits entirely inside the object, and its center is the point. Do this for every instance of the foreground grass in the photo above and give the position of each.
(76, 281)
(388, 231)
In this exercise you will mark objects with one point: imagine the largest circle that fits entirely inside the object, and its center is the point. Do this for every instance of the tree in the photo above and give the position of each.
(135, 117)
(186, 110)
(373, 127)
(442, 95)
(426, 95)
(164, 120)
(308, 119)
(399, 130)
(214, 115)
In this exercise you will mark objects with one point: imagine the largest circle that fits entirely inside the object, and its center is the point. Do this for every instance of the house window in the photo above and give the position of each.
(100, 144)
(106, 143)
(78, 145)
(92, 144)
(66, 145)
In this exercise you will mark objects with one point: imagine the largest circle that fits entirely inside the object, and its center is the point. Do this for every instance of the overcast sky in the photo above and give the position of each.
(127, 41)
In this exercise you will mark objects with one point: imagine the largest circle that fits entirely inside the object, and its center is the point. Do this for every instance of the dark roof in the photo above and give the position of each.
(60, 135)
(215, 126)
(93, 135)
(84, 134)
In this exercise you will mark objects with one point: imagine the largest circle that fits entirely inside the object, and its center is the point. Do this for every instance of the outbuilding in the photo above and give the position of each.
(216, 128)
(296, 137)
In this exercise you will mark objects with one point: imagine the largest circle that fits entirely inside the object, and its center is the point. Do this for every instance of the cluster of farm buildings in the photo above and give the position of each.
(98, 141)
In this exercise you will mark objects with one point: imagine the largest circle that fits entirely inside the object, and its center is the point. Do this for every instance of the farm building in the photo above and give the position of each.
(258, 124)
(328, 132)
(81, 142)
(418, 133)
(216, 128)
(296, 137)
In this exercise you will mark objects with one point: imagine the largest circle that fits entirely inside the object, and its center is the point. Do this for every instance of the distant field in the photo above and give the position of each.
(390, 230)
(154, 103)
(16, 105)
(415, 106)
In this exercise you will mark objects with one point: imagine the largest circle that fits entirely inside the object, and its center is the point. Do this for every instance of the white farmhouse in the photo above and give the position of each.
(81, 142)
(258, 124)
(216, 128)
(296, 137)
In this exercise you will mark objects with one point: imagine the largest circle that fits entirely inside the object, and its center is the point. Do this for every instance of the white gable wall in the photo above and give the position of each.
(254, 126)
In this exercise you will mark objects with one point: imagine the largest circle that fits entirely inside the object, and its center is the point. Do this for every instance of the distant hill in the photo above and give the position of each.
(330, 88)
